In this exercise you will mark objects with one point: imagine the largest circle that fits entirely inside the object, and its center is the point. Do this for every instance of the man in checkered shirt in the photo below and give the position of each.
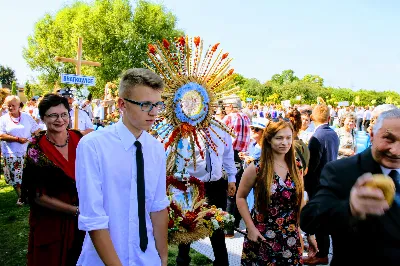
(240, 123)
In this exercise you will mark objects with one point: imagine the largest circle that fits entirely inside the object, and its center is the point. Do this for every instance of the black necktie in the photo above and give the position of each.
(396, 179)
(208, 160)
(141, 196)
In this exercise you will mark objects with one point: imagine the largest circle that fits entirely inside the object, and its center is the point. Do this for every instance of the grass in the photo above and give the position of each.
(14, 230)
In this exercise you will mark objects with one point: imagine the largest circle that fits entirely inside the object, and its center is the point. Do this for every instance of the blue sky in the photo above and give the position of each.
(353, 44)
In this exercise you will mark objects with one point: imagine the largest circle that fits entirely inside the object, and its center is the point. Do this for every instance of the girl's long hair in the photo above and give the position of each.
(266, 173)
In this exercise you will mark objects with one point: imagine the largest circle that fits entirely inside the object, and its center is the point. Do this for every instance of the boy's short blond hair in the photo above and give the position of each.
(320, 113)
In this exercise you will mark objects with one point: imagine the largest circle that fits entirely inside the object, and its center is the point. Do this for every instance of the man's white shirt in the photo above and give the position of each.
(83, 119)
(106, 182)
(224, 159)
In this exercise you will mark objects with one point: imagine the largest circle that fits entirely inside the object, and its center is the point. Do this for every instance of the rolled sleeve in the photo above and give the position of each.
(89, 185)
(161, 200)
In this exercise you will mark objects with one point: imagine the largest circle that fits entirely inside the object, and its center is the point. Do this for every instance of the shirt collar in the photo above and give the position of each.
(127, 138)
(386, 171)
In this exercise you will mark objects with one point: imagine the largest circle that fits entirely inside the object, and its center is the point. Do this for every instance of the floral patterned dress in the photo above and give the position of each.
(280, 228)
(347, 141)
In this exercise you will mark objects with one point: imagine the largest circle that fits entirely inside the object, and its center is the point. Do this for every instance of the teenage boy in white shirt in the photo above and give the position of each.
(125, 226)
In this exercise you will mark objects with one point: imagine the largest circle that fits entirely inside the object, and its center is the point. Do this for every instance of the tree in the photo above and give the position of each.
(28, 91)
(239, 80)
(7, 75)
(314, 79)
(112, 35)
(287, 76)
(14, 90)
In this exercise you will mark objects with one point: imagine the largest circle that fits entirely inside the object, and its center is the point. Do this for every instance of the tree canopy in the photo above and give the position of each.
(114, 34)
(287, 86)
(7, 75)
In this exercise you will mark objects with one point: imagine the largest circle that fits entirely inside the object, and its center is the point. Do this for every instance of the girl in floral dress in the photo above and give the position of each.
(273, 225)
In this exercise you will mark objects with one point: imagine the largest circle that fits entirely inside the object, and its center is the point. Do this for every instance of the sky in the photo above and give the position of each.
(351, 44)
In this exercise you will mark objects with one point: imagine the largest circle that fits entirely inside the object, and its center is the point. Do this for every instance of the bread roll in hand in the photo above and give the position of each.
(384, 183)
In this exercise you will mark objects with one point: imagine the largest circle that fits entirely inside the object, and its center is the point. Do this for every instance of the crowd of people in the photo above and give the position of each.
(96, 198)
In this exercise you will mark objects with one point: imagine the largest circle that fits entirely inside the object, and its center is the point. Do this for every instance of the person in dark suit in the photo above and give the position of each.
(364, 229)
(324, 147)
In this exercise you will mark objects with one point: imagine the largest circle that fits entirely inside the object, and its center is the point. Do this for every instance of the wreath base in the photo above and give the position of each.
(178, 237)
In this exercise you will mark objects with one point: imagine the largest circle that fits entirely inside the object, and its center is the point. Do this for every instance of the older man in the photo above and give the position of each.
(84, 124)
(364, 229)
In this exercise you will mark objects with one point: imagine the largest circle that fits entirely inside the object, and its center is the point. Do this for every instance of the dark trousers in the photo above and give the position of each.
(231, 201)
(323, 243)
(216, 195)
(331, 120)
(359, 124)
(366, 124)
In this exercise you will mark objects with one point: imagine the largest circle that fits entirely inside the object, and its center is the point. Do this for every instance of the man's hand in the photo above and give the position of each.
(366, 200)
(242, 155)
(23, 140)
(231, 189)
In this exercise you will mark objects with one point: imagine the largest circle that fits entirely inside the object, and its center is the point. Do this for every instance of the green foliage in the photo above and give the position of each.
(313, 79)
(14, 90)
(112, 35)
(7, 75)
(28, 91)
(287, 76)
(286, 86)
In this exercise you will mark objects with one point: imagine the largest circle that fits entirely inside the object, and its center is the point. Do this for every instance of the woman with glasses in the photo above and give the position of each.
(49, 187)
(16, 128)
(273, 225)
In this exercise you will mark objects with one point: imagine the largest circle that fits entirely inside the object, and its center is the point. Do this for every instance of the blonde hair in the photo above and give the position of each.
(10, 98)
(320, 113)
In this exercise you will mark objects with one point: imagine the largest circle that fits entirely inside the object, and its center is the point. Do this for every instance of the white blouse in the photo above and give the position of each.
(23, 129)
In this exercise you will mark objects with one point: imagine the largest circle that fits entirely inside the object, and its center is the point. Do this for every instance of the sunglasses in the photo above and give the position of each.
(255, 129)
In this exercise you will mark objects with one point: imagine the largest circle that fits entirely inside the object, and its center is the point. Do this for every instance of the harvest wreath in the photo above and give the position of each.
(190, 218)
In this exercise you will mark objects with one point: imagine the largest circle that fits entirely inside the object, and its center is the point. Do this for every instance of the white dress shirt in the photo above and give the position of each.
(367, 115)
(107, 188)
(98, 111)
(83, 119)
(224, 159)
(386, 171)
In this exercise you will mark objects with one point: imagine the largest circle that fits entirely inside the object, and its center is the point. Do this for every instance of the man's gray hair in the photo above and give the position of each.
(138, 76)
(236, 102)
(382, 108)
(391, 114)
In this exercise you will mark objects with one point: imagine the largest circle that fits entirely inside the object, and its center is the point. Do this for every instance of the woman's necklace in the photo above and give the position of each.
(281, 166)
(19, 119)
(55, 144)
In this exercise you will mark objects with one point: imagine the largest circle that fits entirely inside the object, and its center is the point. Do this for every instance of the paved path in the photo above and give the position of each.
(233, 245)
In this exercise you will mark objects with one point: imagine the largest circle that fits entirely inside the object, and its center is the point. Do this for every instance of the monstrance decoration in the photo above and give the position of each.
(193, 81)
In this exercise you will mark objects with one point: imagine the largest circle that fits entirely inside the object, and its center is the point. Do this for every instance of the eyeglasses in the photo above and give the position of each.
(147, 106)
(54, 117)
(255, 129)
